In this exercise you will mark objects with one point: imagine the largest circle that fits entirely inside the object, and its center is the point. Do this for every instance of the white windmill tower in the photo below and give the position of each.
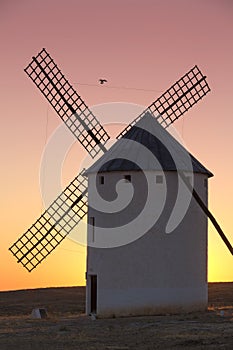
(140, 259)
(141, 270)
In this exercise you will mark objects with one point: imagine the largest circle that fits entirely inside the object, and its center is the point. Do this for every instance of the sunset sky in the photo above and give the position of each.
(141, 45)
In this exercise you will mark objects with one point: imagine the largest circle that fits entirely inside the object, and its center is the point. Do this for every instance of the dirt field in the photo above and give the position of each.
(68, 328)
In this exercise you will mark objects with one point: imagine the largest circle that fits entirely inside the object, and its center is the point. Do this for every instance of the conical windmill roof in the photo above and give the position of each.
(147, 146)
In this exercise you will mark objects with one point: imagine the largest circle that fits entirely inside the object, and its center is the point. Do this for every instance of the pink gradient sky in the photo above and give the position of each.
(133, 43)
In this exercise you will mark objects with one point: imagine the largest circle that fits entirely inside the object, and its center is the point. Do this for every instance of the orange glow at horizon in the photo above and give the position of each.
(139, 44)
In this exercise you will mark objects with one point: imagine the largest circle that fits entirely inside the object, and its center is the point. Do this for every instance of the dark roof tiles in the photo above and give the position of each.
(147, 146)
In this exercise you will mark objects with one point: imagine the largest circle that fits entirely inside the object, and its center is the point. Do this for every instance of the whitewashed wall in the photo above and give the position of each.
(159, 272)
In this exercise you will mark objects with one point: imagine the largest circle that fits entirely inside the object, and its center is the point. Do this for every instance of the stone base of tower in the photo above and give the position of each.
(152, 301)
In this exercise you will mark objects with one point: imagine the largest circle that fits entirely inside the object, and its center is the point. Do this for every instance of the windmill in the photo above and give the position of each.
(70, 206)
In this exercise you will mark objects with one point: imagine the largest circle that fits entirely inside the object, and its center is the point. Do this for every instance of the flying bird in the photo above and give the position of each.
(102, 81)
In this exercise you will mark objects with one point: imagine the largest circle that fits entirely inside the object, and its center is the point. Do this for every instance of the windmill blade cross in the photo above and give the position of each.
(177, 100)
(71, 205)
(46, 75)
(53, 225)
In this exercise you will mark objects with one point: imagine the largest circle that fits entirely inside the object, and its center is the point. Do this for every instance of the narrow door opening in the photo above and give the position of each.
(93, 294)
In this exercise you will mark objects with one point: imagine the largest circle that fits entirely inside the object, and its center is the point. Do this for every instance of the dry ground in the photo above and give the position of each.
(68, 328)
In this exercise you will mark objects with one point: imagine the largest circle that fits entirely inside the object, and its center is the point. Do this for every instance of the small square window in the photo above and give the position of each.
(127, 178)
(159, 179)
(101, 179)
